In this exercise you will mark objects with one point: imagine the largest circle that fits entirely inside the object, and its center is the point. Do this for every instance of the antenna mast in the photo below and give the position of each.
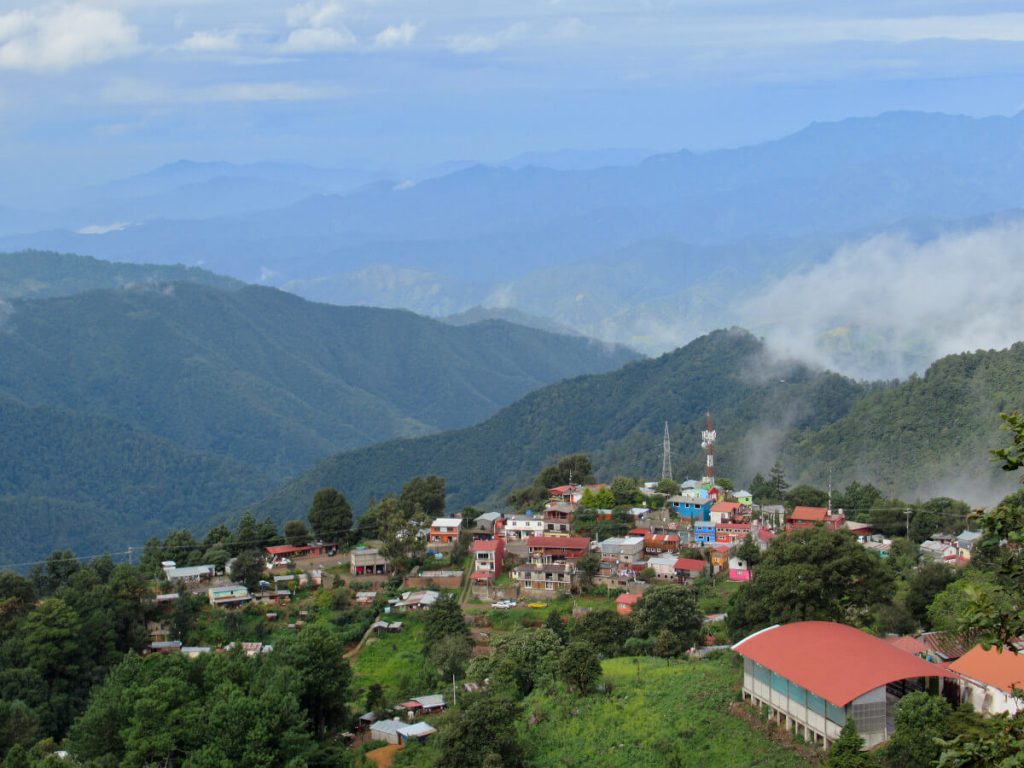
(707, 442)
(666, 459)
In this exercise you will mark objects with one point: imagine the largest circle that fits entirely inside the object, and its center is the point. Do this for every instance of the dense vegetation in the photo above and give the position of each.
(924, 437)
(45, 274)
(617, 418)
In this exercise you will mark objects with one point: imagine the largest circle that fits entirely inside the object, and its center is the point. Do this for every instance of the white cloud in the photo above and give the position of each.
(57, 38)
(474, 43)
(394, 37)
(315, 39)
(887, 306)
(210, 42)
(127, 91)
(319, 25)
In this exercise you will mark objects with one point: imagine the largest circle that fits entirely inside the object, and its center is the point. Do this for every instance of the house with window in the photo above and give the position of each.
(704, 533)
(546, 577)
(814, 676)
(965, 544)
(744, 498)
(444, 532)
(692, 505)
(518, 527)
(987, 679)
(553, 549)
(558, 518)
(488, 559)
(731, 532)
(487, 526)
(657, 543)
(623, 549)
(625, 603)
(723, 511)
(228, 596)
(365, 561)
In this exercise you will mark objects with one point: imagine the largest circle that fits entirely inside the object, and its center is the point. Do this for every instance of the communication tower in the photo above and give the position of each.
(707, 442)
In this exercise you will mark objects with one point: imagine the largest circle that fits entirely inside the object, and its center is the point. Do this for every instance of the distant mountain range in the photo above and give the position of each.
(925, 437)
(649, 253)
(159, 404)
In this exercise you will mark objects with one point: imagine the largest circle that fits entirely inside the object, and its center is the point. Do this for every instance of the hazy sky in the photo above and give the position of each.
(101, 88)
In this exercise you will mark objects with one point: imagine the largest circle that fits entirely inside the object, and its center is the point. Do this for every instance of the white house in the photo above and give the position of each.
(987, 679)
(523, 527)
(626, 549)
(192, 574)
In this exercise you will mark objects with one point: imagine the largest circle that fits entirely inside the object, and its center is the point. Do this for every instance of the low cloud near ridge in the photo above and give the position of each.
(889, 306)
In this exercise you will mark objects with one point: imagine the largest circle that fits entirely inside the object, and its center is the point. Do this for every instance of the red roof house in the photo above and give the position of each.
(550, 549)
(488, 560)
(624, 603)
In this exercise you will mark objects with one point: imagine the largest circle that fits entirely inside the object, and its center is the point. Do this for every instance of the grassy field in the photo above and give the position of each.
(396, 662)
(677, 715)
(657, 715)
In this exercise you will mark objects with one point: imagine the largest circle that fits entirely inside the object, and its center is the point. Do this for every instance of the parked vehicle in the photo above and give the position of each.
(503, 604)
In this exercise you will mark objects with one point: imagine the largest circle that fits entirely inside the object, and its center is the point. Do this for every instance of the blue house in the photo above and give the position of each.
(692, 506)
(703, 533)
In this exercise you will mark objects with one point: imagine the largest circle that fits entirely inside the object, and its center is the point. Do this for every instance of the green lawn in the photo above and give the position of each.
(676, 716)
(395, 661)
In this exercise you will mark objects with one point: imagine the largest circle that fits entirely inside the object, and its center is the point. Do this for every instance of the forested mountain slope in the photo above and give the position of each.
(45, 274)
(921, 437)
(617, 417)
(929, 436)
(88, 482)
(268, 379)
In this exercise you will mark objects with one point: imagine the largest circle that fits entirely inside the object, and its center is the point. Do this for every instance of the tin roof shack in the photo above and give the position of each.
(816, 675)
(424, 705)
(281, 552)
(192, 574)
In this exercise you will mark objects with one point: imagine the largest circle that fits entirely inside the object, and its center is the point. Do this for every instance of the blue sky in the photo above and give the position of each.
(102, 88)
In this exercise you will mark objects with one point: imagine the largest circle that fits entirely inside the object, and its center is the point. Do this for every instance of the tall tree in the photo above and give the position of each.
(671, 607)
(809, 574)
(444, 619)
(848, 750)
(330, 516)
(315, 656)
(580, 667)
(481, 732)
(921, 720)
(423, 495)
(295, 533)
(400, 535)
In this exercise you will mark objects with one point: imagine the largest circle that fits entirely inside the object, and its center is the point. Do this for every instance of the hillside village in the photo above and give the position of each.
(432, 611)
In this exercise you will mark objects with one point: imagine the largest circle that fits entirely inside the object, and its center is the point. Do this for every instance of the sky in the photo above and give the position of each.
(100, 89)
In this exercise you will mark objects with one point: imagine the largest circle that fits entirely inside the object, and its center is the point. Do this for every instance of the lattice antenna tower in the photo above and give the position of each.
(707, 442)
(666, 457)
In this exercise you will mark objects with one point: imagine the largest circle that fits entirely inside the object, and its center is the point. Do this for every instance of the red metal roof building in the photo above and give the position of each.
(814, 675)
(549, 549)
(808, 517)
(316, 549)
(624, 603)
(488, 560)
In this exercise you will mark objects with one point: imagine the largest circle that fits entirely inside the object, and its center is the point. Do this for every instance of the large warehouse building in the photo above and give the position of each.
(815, 675)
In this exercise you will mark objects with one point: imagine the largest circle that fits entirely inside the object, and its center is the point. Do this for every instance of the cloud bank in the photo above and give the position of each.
(58, 38)
(889, 306)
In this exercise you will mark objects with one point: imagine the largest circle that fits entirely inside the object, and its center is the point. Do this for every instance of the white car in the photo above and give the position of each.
(501, 604)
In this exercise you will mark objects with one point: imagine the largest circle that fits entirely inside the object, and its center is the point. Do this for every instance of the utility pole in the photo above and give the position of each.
(908, 513)
(129, 555)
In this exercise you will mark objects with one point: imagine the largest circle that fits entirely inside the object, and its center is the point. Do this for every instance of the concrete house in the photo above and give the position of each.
(364, 561)
(988, 679)
(523, 527)
(488, 560)
(627, 549)
(444, 531)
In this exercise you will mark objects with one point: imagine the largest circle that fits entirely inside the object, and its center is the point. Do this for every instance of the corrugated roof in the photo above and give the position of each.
(1000, 669)
(689, 564)
(907, 643)
(484, 545)
(948, 646)
(558, 542)
(810, 514)
(834, 661)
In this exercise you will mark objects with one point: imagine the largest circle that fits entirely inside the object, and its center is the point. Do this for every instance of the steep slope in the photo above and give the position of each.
(616, 417)
(44, 274)
(91, 483)
(929, 436)
(926, 436)
(268, 379)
